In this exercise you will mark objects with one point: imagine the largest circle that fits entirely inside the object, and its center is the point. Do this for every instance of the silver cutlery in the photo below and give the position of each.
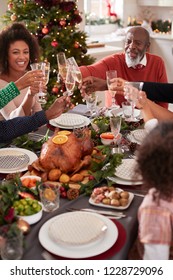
(111, 214)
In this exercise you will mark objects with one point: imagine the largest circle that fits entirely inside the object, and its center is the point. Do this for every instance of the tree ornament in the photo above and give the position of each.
(13, 17)
(62, 22)
(55, 90)
(76, 45)
(54, 43)
(10, 6)
(45, 30)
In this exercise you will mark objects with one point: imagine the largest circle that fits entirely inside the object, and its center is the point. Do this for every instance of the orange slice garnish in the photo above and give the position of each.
(64, 132)
(60, 139)
(49, 195)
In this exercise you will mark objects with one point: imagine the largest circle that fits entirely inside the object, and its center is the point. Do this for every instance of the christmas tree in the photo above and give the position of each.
(55, 23)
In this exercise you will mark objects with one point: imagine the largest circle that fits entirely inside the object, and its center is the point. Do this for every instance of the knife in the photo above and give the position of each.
(108, 213)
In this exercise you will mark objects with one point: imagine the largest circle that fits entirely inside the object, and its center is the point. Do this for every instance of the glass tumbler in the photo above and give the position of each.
(49, 197)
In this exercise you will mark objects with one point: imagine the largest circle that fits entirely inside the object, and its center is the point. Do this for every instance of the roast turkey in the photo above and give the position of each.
(70, 156)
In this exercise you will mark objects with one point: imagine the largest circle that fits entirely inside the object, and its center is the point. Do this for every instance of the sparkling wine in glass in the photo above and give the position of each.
(69, 81)
(110, 76)
(115, 125)
(131, 91)
(62, 65)
(76, 71)
(41, 96)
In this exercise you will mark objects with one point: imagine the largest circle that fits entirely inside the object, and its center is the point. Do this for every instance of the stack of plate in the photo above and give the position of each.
(124, 173)
(70, 121)
(137, 135)
(15, 160)
(78, 234)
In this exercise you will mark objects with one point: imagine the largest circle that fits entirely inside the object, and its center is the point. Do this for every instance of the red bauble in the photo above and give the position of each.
(55, 90)
(54, 43)
(10, 6)
(76, 45)
(45, 30)
(62, 22)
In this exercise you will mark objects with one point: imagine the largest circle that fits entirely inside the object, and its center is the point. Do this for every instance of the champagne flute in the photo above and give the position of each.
(91, 102)
(110, 76)
(69, 81)
(131, 90)
(76, 71)
(41, 96)
(46, 71)
(62, 65)
(115, 125)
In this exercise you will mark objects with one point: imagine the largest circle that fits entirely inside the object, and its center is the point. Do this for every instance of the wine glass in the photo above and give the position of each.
(91, 102)
(46, 71)
(62, 65)
(69, 81)
(131, 91)
(45, 67)
(115, 125)
(110, 76)
(76, 71)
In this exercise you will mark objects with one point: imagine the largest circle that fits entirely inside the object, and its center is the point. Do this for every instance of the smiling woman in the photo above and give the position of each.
(18, 48)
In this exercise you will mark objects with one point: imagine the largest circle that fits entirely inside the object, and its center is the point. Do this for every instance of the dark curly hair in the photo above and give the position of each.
(15, 32)
(155, 160)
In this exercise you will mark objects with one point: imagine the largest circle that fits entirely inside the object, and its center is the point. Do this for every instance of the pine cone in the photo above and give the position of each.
(72, 194)
(133, 147)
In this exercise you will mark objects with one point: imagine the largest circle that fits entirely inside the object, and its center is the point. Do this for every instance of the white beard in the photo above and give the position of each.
(132, 62)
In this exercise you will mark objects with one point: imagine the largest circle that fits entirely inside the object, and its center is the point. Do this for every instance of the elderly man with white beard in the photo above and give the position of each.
(134, 64)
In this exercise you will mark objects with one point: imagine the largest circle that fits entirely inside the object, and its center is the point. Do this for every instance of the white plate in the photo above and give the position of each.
(124, 182)
(70, 120)
(126, 169)
(80, 251)
(119, 112)
(85, 122)
(32, 157)
(131, 196)
(87, 229)
(139, 134)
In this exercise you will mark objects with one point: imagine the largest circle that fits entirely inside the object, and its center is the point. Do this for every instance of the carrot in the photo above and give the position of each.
(32, 183)
(25, 182)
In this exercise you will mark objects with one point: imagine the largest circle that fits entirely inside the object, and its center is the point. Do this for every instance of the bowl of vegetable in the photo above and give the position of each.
(28, 209)
(30, 181)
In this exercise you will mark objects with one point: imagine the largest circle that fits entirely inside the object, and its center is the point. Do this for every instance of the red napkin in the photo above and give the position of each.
(112, 251)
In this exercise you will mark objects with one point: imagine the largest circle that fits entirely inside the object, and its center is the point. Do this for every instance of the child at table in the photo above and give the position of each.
(155, 215)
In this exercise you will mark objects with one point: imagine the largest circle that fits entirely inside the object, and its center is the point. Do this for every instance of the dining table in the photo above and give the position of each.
(127, 226)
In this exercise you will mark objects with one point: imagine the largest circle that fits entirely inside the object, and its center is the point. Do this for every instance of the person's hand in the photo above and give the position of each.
(31, 78)
(118, 85)
(92, 84)
(58, 107)
(141, 101)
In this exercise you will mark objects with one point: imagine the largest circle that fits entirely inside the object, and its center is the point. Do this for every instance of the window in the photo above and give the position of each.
(99, 9)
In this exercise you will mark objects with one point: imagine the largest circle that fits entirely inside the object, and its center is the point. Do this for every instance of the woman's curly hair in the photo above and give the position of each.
(17, 32)
(155, 160)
